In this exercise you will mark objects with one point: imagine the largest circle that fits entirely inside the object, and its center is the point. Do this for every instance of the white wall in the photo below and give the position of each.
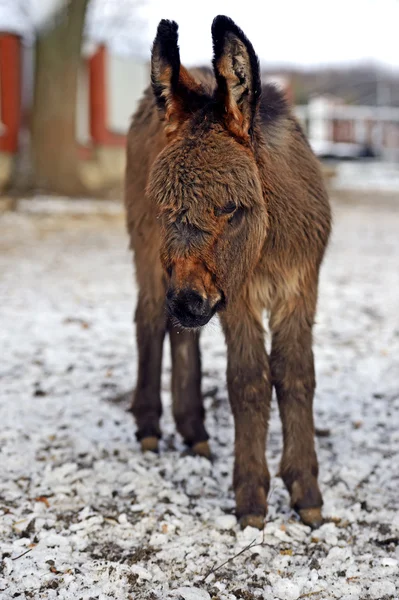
(127, 79)
(83, 107)
(320, 127)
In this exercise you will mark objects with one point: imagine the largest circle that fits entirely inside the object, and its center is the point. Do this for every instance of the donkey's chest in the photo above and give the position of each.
(273, 282)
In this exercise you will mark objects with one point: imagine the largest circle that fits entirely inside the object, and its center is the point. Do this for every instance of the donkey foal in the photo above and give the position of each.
(227, 213)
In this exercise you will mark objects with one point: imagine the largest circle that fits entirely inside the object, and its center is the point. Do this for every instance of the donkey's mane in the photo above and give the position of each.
(273, 104)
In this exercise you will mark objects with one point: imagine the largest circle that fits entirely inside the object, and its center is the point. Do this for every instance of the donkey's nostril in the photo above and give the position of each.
(170, 294)
(193, 303)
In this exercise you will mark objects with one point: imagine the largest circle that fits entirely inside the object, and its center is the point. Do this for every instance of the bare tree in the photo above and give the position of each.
(58, 56)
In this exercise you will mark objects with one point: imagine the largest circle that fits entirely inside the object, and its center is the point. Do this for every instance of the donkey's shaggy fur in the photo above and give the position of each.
(227, 212)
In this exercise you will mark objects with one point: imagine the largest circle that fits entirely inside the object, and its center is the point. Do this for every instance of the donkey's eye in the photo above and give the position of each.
(237, 216)
(226, 210)
(229, 208)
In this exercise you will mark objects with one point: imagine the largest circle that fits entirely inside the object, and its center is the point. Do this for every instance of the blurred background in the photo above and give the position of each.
(72, 73)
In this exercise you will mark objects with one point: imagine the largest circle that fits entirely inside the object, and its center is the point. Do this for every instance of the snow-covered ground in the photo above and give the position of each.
(83, 515)
(370, 176)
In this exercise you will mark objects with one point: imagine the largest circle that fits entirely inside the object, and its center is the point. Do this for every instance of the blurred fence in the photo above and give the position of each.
(109, 90)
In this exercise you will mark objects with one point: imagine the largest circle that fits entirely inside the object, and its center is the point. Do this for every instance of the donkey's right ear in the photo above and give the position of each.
(174, 88)
(165, 63)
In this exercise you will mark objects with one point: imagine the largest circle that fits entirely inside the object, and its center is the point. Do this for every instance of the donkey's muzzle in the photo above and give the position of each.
(189, 308)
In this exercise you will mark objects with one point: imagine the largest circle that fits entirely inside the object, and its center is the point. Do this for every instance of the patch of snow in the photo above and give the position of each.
(225, 522)
(286, 589)
(369, 176)
(382, 589)
(188, 593)
(45, 205)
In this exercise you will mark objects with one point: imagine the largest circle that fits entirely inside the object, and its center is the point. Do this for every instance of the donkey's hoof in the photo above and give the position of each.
(256, 521)
(202, 449)
(311, 517)
(149, 444)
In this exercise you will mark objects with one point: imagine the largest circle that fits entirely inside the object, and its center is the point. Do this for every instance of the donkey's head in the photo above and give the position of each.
(206, 181)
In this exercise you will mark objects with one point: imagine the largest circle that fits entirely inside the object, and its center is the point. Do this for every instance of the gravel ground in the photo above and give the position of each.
(83, 515)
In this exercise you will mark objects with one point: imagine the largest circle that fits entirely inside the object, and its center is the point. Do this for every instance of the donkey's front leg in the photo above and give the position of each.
(150, 330)
(248, 380)
(293, 376)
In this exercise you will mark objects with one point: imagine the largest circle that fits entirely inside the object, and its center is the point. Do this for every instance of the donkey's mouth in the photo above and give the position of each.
(192, 322)
(190, 309)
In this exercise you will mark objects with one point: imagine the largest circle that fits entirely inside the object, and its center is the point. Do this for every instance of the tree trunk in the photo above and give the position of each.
(54, 145)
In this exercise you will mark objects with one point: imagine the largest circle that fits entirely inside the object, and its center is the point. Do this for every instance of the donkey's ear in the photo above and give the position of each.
(176, 91)
(237, 74)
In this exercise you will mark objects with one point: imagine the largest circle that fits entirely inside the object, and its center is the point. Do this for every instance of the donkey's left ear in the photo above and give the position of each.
(176, 92)
(237, 74)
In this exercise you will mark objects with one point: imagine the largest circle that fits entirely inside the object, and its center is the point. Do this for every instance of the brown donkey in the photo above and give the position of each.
(228, 214)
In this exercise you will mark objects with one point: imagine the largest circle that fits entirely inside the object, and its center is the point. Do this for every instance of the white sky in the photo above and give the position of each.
(306, 32)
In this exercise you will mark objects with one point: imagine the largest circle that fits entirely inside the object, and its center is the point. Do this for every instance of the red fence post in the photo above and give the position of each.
(98, 91)
(98, 96)
(10, 91)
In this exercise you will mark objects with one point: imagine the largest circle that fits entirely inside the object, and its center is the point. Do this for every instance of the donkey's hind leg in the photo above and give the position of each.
(188, 409)
(151, 322)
